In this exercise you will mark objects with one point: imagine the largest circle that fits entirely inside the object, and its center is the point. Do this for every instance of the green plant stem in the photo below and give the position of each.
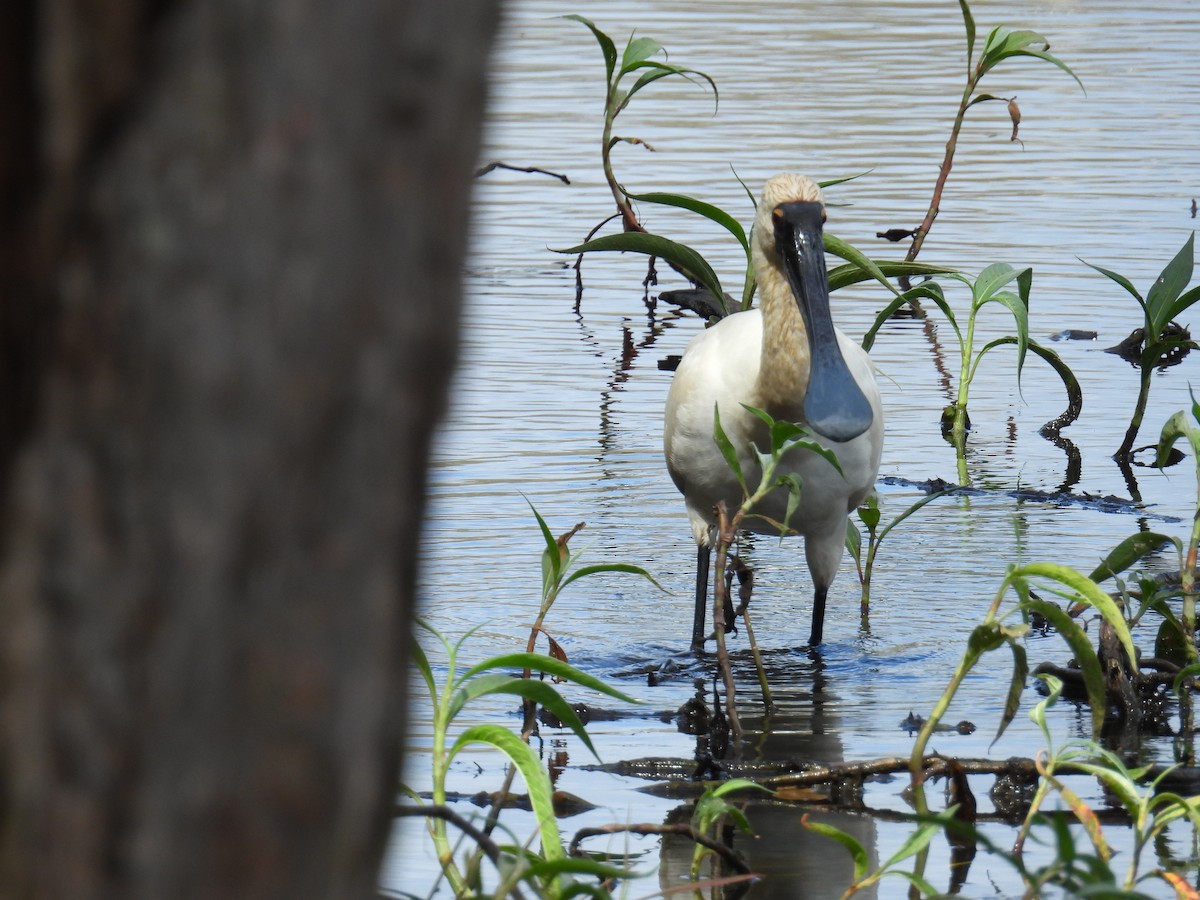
(864, 608)
(1139, 411)
(437, 827)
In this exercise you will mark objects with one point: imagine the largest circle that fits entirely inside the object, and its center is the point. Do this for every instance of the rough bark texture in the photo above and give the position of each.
(230, 244)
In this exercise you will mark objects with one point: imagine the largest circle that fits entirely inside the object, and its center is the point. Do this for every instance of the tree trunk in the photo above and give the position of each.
(230, 245)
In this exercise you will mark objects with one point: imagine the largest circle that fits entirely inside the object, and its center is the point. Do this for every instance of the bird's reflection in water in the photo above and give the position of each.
(803, 727)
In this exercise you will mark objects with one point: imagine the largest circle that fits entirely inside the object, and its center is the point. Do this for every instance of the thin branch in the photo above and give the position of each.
(533, 171)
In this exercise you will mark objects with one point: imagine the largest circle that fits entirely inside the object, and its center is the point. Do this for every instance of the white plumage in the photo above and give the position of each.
(786, 358)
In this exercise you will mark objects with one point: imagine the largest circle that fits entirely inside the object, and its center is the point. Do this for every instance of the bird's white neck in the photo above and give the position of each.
(785, 363)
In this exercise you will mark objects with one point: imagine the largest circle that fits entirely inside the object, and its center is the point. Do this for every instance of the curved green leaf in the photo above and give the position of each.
(533, 689)
(854, 256)
(539, 662)
(537, 780)
(1091, 593)
(1016, 687)
(1176, 427)
(969, 24)
(1085, 656)
(848, 273)
(1133, 549)
(713, 213)
(607, 47)
(601, 568)
(689, 262)
(1070, 382)
(862, 861)
(662, 70)
(728, 450)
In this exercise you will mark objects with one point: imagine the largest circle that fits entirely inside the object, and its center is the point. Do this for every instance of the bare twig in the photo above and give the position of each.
(534, 171)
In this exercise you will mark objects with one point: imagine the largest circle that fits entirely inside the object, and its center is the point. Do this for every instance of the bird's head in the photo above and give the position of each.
(782, 189)
(789, 256)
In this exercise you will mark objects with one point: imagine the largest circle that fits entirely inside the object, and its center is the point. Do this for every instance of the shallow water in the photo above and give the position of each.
(565, 407)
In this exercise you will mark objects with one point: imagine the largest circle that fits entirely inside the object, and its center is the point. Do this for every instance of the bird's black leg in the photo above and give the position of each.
(703, 555)
(818, 622)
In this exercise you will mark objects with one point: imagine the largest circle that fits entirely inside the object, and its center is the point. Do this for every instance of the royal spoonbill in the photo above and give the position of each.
(785, 357)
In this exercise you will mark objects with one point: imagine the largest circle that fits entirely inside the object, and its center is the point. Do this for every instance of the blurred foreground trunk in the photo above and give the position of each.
(230, 245)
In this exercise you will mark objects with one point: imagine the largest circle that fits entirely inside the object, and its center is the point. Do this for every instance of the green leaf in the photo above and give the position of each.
(537, 781)
(1168, 286)
(929, 290)
(1016, 686)
(862, 861)
(1090, 593)
(1038, 714)
(1176, 427)
(985, 638)
(969, 24)
(601, 568)
(662, 70)
(791, 481)
(539, 662)
(607, 47)
(1003, 43)
(1074, 391)
(1089, 666)
(836, 181)
(421, 661)
(713, 213)
(690, 263)
(1185, 300)
(853, 541)
(990, 280)
(1133, 549)
(580, 865)
(854, 256)
(533, 689)
(1117, 277)
(929, 498)
(637, 50)
(727, 450)
(916, 842)
(552, 561)
(847, 274)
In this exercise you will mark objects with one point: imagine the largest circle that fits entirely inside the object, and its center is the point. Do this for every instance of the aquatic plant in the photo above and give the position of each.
(869, 514)
(989, 287)
(784, 437)
(1001, 43)
(547, 870)
(685, 260)
(1161, 339)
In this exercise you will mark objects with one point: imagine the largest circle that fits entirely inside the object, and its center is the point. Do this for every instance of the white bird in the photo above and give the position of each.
(787, 358)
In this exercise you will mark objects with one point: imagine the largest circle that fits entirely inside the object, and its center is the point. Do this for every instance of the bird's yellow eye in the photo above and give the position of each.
(777, 213)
